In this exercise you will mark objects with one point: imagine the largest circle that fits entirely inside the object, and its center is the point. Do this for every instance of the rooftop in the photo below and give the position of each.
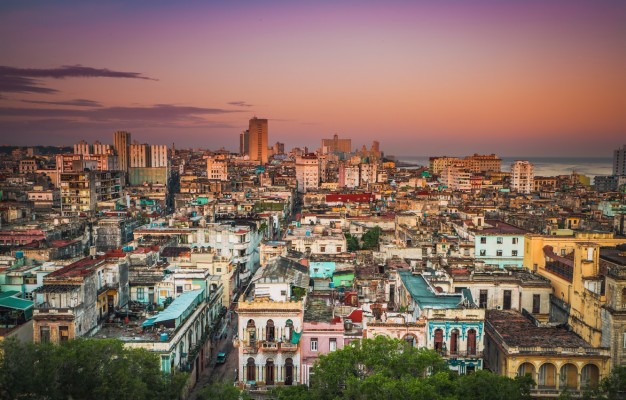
(517, 331)
(423, 294)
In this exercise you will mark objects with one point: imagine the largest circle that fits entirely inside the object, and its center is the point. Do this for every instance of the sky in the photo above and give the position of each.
(536, 78)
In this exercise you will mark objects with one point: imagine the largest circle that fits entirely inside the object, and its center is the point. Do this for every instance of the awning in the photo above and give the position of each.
(148, 322)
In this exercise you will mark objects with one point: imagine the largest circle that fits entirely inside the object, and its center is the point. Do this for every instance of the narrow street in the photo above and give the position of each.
(220, 373)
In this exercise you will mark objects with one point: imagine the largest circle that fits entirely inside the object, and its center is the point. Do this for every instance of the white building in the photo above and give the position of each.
(139, 155)
(457, 178)
(307, 172)
(100, 148)
(349, 176)
(83, 148)
(217, 168)
(158, 155)
(522, 176)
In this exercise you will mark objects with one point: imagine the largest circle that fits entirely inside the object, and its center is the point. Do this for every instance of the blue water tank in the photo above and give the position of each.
(19, 254)
(164, 337)
(331, 285)
(308, 233)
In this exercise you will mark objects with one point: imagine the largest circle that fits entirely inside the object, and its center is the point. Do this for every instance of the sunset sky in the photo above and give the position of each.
(424, 78)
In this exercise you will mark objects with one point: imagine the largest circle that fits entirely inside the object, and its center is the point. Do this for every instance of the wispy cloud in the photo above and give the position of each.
(240, 104)
(157, 112)
(74, 103)
(28, 80)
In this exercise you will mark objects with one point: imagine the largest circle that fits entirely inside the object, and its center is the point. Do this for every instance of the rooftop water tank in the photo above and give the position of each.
(19, 254)
(164, 337)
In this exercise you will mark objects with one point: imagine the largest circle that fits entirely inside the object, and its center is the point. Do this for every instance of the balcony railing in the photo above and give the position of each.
(269, 346)
(287, 346)
(461, 354)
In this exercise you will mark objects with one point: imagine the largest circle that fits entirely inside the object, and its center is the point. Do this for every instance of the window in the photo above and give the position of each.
(269, 331)
(64, 333)
(44, 334)
(179, 289)
(563, 252)
(514, 240)
(188, 287)
(483, 240)
(283, 293)
(322, 249)
(218, 270)
(483, 252)
(332, 344)
(482, 302)
(140, 293)
(454, 341)
(499, 240)
(338, 249)
(514, 253)
(499, 253)
(313, 344)
(536, 303)
(471, 342)
(251, 370)
(506, 303)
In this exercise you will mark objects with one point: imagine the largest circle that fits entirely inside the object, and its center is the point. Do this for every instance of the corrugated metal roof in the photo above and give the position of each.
(15, 303)
(423, 294)
(181, 307)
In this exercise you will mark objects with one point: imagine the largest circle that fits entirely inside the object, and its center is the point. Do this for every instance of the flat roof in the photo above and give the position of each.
(518, 331)
(179, 306)
(422, 293)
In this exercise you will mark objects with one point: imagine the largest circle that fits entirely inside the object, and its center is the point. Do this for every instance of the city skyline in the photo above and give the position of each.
(450, 78)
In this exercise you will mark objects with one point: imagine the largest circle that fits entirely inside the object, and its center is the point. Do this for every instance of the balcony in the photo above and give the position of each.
(287, 346)
(461, 354)
(269, 346)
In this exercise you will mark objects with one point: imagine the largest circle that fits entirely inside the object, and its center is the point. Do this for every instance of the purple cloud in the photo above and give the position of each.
(27, 80)
(240, 104)
(75, 103)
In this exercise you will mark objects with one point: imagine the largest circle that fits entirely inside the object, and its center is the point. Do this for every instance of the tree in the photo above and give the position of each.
(383, 368)
(83, 368)
(353, 242)
(222, 391)
(370, 238)
(613, 387)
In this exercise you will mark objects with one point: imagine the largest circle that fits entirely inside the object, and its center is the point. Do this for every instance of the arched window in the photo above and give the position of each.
(547, 376)
(269, 371)
(251, 329)
(569, 376)
(288, 371)
(269, 331)
(439, 340)
(251, 370)
(526, 369)
(471, 342)
(624, 298)
(454, 341)
(589, 376)
(410, 339)
(288, 330)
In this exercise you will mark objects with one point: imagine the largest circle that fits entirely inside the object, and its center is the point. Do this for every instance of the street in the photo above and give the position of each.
(224, 373)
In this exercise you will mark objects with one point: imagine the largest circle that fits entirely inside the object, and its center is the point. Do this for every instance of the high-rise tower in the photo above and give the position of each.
(619, 161)
(121, 142)
(257, 140)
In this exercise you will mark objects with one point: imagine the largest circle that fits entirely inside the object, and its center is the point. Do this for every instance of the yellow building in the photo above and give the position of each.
(588, 275)
(555, 358)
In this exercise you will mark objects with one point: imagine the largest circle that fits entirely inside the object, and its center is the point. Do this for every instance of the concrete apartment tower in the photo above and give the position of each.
(257, 140)
(619, 161)
(121, 142)
(522, 176)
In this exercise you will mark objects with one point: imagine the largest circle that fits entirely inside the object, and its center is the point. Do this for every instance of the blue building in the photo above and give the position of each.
(499, 243)
(454, 325)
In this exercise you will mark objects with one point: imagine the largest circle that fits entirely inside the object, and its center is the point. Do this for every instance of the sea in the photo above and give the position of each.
(545, 166)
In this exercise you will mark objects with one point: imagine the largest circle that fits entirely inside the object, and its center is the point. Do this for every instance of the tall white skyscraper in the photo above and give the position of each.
(158, 155)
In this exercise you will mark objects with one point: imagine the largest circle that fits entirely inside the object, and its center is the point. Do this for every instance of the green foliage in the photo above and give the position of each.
(298, 292)
(82, 369)
(370, 238)
(383, 368)
(222, 391)
(613, 387)
(353, 242)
